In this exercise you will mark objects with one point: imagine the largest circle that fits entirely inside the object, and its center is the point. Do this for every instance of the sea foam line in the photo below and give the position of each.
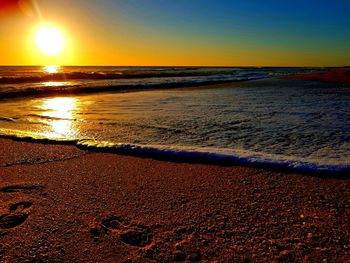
(209, 155)
(203, 155)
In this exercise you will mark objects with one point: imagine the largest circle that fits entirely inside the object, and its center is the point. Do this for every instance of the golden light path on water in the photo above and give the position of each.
(51, 69)
(55, 83)
(59, 114)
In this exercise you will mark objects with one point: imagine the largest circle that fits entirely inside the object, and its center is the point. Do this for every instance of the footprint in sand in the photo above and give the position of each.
(18, 214)
(131, 234)
(21, 206)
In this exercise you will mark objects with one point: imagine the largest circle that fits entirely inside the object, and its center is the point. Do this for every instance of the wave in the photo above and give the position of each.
(64, 76)
(55, 89)
(6, 119)
(23, 82)
(50, 118)
(102, 73)
(208, 155)
(204, 155)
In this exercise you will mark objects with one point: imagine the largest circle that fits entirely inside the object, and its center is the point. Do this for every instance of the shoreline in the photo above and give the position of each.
(191, 156)
(60, 203)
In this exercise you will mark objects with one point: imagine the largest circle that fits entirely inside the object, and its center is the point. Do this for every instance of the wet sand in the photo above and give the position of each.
(62, 204)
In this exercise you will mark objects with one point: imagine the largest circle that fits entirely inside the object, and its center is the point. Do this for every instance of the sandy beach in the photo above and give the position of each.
(174, 131)
(59, 203)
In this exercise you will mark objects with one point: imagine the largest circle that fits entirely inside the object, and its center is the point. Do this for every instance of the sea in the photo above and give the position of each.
(227, 115)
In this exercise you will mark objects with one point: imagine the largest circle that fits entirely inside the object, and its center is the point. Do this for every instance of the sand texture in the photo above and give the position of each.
(62, 204)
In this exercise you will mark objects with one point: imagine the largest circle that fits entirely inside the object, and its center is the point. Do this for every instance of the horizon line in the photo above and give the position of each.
(203, 66)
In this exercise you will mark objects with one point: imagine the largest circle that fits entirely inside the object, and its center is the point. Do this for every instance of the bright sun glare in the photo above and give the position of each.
(50, 40)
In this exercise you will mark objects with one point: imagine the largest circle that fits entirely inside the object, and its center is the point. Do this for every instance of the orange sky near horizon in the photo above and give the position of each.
(94, 36)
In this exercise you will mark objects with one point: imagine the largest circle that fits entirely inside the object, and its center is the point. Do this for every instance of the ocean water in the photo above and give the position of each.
(245, 115)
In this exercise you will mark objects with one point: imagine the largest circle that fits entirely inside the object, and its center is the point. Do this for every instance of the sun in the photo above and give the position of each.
(50, 40)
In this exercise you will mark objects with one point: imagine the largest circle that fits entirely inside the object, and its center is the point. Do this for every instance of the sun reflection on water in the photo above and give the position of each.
(51, 69)
(55, 83)
(59, 113)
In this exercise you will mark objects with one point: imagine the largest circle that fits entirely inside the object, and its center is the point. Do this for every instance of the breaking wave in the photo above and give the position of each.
(205, 155)
(23, 82)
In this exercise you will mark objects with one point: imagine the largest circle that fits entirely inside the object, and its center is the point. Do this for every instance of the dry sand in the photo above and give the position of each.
(62, 204)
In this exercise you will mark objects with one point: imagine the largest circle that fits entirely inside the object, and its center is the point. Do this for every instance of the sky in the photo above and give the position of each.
(179, 32)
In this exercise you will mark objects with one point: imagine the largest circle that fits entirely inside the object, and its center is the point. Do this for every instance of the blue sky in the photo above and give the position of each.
(195, 32)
